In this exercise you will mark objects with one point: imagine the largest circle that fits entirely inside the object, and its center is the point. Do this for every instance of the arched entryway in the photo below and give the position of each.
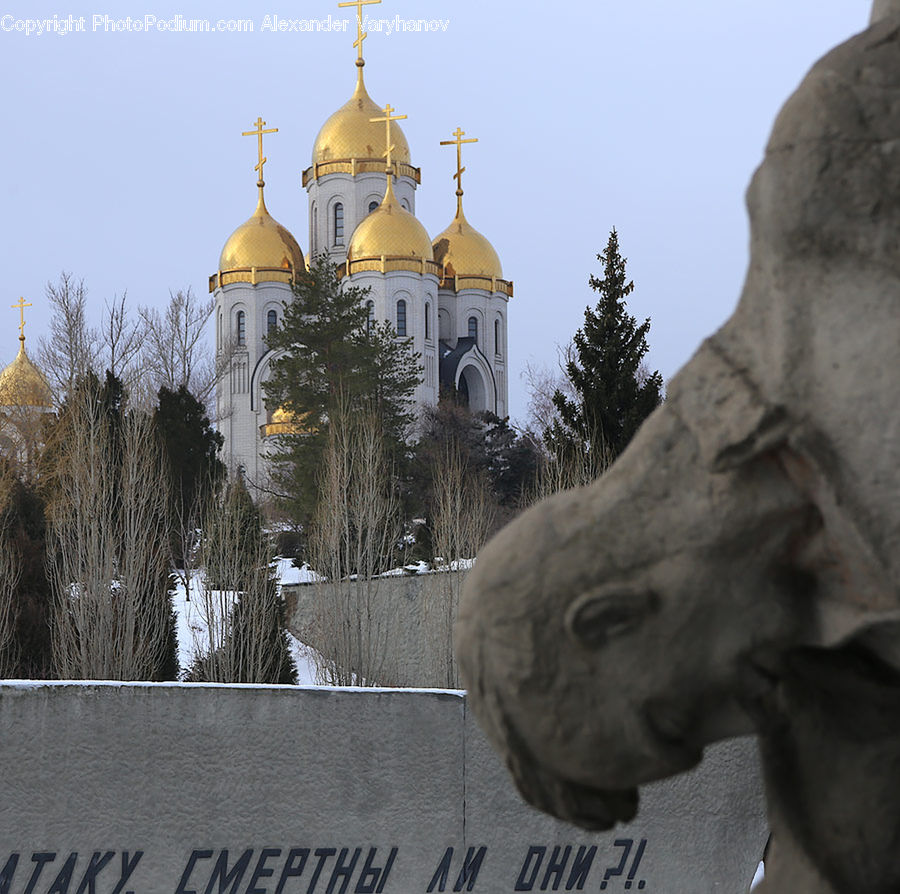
(472, 390)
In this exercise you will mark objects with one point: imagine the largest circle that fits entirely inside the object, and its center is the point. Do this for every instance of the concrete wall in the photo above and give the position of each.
(167, 789)
(411, 624)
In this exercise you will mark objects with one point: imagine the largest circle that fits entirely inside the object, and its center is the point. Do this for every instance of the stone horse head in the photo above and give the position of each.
(611, 632)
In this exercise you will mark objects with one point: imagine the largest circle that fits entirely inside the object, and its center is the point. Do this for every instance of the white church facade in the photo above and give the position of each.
(446, 295)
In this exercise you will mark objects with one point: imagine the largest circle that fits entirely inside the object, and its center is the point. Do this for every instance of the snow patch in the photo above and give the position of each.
(757, 879)
(288, 574)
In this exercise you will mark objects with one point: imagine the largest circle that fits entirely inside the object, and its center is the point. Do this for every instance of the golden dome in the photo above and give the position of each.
(281, 416)
(390, 231)
(260, 250)
(462, 251)
(286, 423)
(22, 384)
(350, 134)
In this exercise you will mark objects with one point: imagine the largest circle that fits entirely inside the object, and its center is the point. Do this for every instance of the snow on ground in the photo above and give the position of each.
(415, 568)
(305, 659)
(192, 627)
(289, 573)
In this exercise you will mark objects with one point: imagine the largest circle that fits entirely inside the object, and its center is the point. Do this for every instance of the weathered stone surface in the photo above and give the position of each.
(180, 783)
(885, 8)
(737, 570)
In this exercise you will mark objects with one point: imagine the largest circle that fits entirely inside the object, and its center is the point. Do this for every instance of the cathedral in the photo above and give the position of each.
(446, 295)
(25, 398)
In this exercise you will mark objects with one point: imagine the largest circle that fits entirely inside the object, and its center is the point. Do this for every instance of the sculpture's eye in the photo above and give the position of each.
(597, 617)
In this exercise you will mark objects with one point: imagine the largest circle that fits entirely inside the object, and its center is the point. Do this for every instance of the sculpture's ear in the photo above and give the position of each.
(724, 410)
(595, 618)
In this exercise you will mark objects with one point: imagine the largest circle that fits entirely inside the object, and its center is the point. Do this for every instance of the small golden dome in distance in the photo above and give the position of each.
(390, 231)
(23, 385)
(286, 423)
(351, 134)
(264, 244)
(462, 251)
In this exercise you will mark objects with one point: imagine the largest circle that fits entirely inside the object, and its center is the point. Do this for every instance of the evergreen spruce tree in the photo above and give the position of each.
(26, 526)
(613, 397)
(333, 358)
(191, 450)
(252, 642)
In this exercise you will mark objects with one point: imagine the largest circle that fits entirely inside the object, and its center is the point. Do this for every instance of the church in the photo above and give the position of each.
(446, 295)
(25, 398)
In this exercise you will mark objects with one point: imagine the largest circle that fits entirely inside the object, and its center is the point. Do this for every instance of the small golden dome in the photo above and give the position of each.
(350, 134)
(462, 251)
(390, 231)
(286, 423)
(264, 244)
(22, 384)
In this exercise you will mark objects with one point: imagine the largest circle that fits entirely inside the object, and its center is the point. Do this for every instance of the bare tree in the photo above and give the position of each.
(563, 470)
(71, 349)
(9, 579)
(355, 530)
(185, 539)
(543, 382)
(176, 352)
(122, 339)
(560, 470)
(463, 518)
(241, 637)
(21, 436)
(10, 571)
(108, 547)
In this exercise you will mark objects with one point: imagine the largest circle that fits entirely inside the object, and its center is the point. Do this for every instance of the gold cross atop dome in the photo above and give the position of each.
(360, 34)
(21, 308)
(388, 119)
(459, 133)
(260, 124)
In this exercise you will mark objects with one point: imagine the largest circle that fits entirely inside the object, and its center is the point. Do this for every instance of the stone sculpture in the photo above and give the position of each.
(737, 570)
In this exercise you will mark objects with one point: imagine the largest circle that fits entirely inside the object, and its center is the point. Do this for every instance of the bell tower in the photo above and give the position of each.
(257, 268)
(346, 180)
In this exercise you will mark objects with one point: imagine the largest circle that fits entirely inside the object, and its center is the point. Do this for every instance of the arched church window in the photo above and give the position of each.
(219, 334)
(372, 206)
(241, 328)
(401, 317)
(271, 322)
(370, 316)
(497, 337)
(473, 328)
(427, 322)
(339, 224)
(405, 204)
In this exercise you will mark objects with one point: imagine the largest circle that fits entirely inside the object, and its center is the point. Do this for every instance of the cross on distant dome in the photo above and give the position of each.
(260, 124)
(361, 35)
(21, 308)
(459, 133)
(388, 119)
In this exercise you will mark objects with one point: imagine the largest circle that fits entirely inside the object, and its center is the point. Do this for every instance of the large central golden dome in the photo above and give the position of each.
(260, 250)
(390, 231)
(22, 383)
(350, 134)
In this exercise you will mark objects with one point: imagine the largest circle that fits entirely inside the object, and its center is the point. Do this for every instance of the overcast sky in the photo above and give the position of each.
(124, 165)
